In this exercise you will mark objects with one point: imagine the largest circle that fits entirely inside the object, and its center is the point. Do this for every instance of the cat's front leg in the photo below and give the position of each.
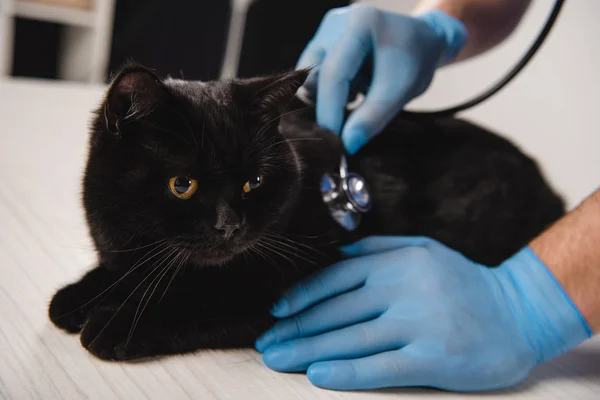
(70, 306)
(198, 309)
(113, 333)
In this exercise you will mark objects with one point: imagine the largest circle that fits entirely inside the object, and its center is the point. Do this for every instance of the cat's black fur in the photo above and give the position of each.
(168, 281)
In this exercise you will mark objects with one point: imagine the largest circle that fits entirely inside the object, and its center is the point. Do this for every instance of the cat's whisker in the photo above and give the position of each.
(162, 266)
(312, 237)
(181, 264)
(178, 257)
(291, 243)
(147, 258)
(260, 249)
(136, 248)
(306, 236)
(276, 240)
(273, 248)
(265, 256)
(313, 249)
(268, 124)
(157, 266)
(290, 250)
(281, 252)
(161, 263)
(110, 288)
(119, 309)
(131, 237)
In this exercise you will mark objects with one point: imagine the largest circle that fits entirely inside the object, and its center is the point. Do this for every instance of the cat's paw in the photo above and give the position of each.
(106, 336)
(67, 309)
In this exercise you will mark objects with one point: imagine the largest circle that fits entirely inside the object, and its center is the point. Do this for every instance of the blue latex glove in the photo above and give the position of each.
(406, 52)
(412, 312)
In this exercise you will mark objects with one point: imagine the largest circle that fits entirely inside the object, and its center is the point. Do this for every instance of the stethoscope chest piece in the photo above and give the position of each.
(347, 196)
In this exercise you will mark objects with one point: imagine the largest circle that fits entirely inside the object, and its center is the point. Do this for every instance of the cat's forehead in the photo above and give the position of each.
(213, 127)
(200, 93)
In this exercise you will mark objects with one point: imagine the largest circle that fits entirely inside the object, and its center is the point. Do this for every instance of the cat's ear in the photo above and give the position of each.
(132, 95)
(270, 95)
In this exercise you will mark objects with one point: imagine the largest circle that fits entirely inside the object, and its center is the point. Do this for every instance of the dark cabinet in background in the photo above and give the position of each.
(186, 37)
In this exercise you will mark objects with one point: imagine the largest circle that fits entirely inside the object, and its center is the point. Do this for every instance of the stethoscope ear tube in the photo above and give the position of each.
(359, 86)
(347, 194)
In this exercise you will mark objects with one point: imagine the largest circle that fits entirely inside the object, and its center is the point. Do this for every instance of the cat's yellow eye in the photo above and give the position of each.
(252, 184)
(183, 187)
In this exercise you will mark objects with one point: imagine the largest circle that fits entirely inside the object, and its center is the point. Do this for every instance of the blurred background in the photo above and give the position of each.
(85, 40)
(549, 109)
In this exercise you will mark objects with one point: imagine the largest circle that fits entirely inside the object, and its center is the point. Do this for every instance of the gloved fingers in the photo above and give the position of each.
(312, 57)
(360, 340)
(344, 310)
(396, 368)
(377, 244)
(327, 32)
(334, 280)
(339, 67)
(394, 78)
(316, 50)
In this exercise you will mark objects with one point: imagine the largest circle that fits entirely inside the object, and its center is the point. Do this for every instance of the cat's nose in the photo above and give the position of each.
(228, 221)
(228, 230)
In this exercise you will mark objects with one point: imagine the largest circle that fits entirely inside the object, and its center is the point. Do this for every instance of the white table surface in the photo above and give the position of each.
(44, 244)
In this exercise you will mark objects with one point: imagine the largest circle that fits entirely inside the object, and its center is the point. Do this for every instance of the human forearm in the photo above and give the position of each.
(488, 22)
(571, 251)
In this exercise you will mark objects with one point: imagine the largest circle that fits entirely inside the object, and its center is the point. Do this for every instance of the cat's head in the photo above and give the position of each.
(199, 166)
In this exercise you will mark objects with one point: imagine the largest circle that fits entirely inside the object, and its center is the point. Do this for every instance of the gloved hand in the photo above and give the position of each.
(412, 312)
(406, 52)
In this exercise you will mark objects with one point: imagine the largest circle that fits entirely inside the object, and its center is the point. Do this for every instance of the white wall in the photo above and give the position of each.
(552, 109)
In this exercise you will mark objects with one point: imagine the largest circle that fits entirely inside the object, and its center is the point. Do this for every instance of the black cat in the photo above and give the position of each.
(203, 202)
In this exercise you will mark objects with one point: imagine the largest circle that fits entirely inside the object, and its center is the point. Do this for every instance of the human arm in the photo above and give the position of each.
(406, 51)
(412, 312)
(571, 251)
(488, 22)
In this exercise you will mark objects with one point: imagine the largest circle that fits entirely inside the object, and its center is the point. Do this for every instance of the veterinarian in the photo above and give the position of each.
(409, 311)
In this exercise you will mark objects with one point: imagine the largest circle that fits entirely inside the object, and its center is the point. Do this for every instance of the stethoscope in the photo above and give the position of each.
(345, 193)
(347, 196)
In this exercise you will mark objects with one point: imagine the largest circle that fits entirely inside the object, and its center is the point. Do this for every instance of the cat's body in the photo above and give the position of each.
(180, 274)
